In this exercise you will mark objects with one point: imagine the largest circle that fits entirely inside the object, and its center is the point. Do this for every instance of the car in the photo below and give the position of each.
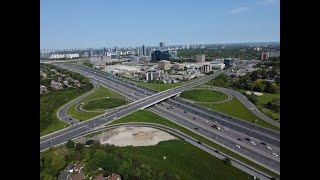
(206, 120)
(268, 147)
(217, 121)
(70, 119)
(193, 118)
(199, 142)
(274, 154)
(196, 128)
(71, 123)
(263, 143)
(225, 128)
(114, 117)
(253, 143)
(215, 126)
(167, 108)
(247, 139)
(237, 146)
(185, 111)
(239, 139)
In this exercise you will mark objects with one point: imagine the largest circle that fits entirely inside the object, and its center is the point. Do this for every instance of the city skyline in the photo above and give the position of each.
(105, 24)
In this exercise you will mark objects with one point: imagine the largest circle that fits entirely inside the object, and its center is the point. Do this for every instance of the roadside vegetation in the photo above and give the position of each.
(52, 100)
(150, 117)
(162, 161)
(103, 104)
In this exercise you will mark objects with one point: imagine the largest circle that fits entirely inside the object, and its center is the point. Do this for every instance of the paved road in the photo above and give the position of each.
(229, 143)
(251, 171)
(243, 99)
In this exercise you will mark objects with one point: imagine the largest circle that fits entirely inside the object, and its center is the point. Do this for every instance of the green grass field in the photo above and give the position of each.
(191, 163)
(100, 92)
(103, 104)
(150, 117)
(161, 87)
(237, 109)
(203, 95)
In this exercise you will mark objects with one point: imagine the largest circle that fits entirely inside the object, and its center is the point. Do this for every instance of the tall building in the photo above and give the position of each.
(115, 50)
(164, 65)
(149, 51)
(90, 52)
(264, 56)
(188, 46)
(144, 51)
(201, 58)
(205, 69)
(162, 46)
(173, 54)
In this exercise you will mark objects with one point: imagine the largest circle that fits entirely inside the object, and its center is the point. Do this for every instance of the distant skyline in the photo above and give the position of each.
(124, 23)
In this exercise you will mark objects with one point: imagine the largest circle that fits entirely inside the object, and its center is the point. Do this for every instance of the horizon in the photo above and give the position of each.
(96, 24)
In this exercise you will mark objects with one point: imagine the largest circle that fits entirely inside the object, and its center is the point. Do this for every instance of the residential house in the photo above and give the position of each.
(56, 85)
(78, 176)
(43, 89)
(100, 177)
(76, 83)
(114, 177)
(78, 168)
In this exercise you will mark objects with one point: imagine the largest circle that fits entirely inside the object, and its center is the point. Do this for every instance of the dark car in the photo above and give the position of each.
(167, 108)
(239, 139)
(185, 111)
(247, 139)
(196, 128)
(89, 142)
(263, 143)
(193, 118)
(199, 142)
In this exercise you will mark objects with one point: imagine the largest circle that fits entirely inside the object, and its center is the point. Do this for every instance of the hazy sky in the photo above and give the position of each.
(124, 23)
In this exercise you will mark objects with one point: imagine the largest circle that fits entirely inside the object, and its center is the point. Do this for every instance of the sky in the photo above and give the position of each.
(132, 23)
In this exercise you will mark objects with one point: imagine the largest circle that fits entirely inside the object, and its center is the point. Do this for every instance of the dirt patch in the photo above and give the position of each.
(135, 136)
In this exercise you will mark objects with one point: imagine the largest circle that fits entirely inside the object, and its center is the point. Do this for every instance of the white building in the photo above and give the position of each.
(205, 69)
(153, 75)
(217, 64)
(70, 56)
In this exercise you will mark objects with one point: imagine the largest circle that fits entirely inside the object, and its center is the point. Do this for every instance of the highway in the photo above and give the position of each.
(202, 130)
(251, 171)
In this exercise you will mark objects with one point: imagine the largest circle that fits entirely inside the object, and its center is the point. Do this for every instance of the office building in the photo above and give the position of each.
(148, 52)
(71, 56)
(173, 54)
(162, 46)
(205, 69)
(274, 54)
(153, 75)
(91, 52)
(144, 51)
(116, 50)
(164, 65)
(134, 59)
(228, 61)
(160, 55)
(201, 58)
(178, 66)
(264, 56)
(217, 64)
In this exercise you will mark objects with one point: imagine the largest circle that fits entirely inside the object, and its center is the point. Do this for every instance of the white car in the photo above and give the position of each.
(226, 128)
(252, 142)
(114, 117)
(237, 146)
(268, 147)
(275, 154)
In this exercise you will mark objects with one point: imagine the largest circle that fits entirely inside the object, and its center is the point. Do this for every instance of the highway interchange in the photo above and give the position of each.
(194, 117)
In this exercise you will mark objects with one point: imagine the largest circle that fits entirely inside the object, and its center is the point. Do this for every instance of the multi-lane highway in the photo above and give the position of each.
(227, 138)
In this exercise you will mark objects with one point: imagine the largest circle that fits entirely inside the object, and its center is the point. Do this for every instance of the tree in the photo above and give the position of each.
(70, 144)
(253, 98)
(58, 163)
(79, 147)
(227, 161)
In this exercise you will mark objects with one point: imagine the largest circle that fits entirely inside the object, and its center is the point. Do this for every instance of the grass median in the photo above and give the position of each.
(203, 95)
(101, 92)
(150, 117)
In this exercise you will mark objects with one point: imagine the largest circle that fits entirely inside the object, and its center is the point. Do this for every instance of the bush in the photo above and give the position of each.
(227, 161)
(70, 144)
